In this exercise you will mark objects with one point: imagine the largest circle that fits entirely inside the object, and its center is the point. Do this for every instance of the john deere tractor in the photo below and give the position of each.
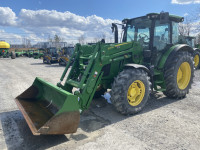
(196, 53)
(4, 50)
(38, 53)
(148, 58)
(19, 53)
(64, 56)
(51, 56)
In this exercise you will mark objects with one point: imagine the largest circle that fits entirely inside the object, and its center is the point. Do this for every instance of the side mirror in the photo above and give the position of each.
(147, 53)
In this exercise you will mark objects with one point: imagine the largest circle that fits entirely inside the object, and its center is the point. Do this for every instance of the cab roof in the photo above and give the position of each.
(157, 16)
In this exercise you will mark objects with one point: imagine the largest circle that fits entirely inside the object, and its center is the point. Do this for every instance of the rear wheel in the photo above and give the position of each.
(44, 60)
(178, 75)
(49, 62)
(13, 55)
(196, 59)
(130, 91)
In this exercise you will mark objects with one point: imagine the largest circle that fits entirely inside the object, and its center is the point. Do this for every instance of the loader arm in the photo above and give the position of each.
(84, 77)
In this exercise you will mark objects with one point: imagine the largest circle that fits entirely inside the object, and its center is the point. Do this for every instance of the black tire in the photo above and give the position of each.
(120, 88)
(44, 61)
(61, 63)
(170, 75)
(13, 55)
(196, 66)
(49, 62)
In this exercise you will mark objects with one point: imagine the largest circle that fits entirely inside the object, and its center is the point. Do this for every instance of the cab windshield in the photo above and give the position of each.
(53, 50)
(139, 31)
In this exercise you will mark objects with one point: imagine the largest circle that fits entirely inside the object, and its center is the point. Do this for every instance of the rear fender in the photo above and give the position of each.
(168, 55)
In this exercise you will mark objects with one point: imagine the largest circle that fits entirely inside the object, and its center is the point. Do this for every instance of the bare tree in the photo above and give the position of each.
(103, 36)
(81, 39)
(185, 28)
(26, 43)
(198, 39)
(50, 39)
(96, 40)
(57, 40)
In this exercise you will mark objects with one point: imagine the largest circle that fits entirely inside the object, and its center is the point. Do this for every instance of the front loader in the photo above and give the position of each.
(148, 58)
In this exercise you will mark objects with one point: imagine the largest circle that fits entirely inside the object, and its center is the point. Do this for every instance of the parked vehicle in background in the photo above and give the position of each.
(4, 50)
(65, 54)
(38, 53)
(51, 56)
(19, 52)
(191, 42)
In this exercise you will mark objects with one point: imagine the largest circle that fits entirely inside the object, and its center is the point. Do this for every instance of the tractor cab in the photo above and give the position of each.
(52, 51)
(154, 32)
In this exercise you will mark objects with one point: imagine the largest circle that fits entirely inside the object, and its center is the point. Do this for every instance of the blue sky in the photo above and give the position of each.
(27, 16)
(113, 9)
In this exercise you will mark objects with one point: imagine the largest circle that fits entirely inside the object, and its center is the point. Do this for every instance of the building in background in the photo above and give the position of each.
(50, 44)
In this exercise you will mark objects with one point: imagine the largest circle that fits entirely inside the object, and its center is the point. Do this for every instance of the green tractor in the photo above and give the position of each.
(51, 56)
(29, 53)
(148, 58)
(196, 54)
(4, 50)
(64, 55)
(19, 53)
(38, 53)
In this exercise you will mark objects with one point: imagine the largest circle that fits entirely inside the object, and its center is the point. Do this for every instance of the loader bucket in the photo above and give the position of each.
(49, 109)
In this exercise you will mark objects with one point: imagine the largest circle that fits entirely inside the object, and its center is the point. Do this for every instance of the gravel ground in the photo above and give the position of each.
(163, 124)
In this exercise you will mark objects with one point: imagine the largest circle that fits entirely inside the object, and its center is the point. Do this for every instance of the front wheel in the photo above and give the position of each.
(130, 91)
(178, 75)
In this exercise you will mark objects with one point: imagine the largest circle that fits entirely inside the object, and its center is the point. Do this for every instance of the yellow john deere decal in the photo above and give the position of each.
(118, 45)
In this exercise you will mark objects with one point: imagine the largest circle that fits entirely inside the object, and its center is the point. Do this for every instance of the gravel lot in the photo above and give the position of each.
(163, 124)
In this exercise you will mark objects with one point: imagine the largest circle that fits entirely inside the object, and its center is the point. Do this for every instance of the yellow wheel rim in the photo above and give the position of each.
(196, 60)
(136, 92)
(183, 75)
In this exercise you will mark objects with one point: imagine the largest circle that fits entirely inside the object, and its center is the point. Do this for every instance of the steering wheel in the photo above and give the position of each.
(145, 37)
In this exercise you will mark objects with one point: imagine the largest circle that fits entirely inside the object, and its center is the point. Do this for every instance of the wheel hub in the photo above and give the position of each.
(136, 92)
(183, 75)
